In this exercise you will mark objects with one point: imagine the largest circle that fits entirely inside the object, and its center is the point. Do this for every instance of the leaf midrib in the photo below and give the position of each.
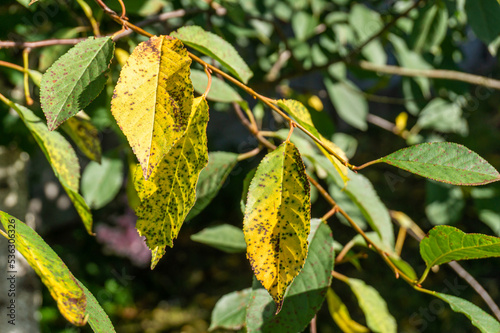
(432, 263)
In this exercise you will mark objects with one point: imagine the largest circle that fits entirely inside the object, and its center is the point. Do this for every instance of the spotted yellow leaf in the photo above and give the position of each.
(301, 115)
(84, 135)
(277, 220)
(153, 98)
(169, 194)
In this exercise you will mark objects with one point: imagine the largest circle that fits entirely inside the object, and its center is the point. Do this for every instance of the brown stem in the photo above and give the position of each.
(41, 43)
(365, 165)
(313, 328)
(387, 125)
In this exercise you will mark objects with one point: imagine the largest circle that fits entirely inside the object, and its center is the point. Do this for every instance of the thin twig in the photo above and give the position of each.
(41, 43)
(313, 328)
(249, 154)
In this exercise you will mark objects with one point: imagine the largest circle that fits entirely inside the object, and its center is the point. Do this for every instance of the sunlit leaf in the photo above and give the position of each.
(212, 177)
(75, 79)
(153, 98)
(276, 223)
(444, 244)
(63, 286)
(215, 47)
(169, 194)
(84, 135)
(306, 293)
(446, 162)
(224, 237)
(230, 311)
(220, 91)
(341, 315)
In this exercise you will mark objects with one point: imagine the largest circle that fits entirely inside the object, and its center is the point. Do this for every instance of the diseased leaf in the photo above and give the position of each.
(62, 285)
(98, 319)
(62, 158)
(306, 293)
(444, 244)
(75, 79)
(212, 177)
(230, 310)
(445, 162)
(479, 318)
(301, 115)
(153, 99)
(220, 91)
(341, 316)
(224, 237)
(214, 47)
(378, 318)
(101, 182)
(84, 135)
(277, 220)
(169, 194)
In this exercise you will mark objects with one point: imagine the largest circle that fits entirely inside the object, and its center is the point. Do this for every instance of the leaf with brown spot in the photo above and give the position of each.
(277, 220)
(153, 99)
(84, 135)
(169, 194)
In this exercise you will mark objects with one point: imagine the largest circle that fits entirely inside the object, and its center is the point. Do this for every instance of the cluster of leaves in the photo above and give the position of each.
(159, 103)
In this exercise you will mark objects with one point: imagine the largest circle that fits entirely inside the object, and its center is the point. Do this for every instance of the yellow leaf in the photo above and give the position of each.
(121, 56)
(315, 103)
(153, 98)
(170, 193)
(341, 316)
(401, 121)
(277, 220)
(84, 135)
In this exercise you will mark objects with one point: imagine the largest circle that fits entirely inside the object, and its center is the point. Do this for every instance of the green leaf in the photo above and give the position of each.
(230, 311)
(303, 25)
(443, 116)
(486, 204)
(445, 162)
(444, 203)
(84, 135)
(75, 79)
(341, 316)
(430, 27)
(246, 186)
(214, 47)
(224, 237)
(378, 318)
(153, 99)
(444, 244)
(349, 103)
(62, 158)
(49, 54)
(482, 16)
(479, 318)
(276, 222)
(220, 165)
(62, 285)
(102, 182)
(220, 91)
(306, 293)
(98, 319)
(170, 193)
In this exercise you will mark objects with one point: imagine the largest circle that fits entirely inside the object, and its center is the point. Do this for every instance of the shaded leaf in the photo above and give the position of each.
(341, 315)
(214, 47)
(212, 177)
(430, 27)
(444, 203)
(224, 237)
(98, 319)
(482, 16)
(153, 99)
(444, 244)
(443, 116)
(276, 222)
(230, 310)
(63, 286)
(84, 135)
(220, 91)
(102, 182)
(303, 25)
(306, 293)
(378, 318)
(486, 204)
(246, 185)
(445, 162)
(75, 79)
(168, 196)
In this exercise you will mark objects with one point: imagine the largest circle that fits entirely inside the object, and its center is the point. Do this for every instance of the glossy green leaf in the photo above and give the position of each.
(84, 135)
(443, 116)
(170, 193)
(276, 222)
(230, 311)
(224, 237)
(478, 317)
(378, 318)
(220, 91)
(341, 316)
(98, 319)
(444, 244)
(430, 27)
(306, 293)
(444, 203)
(75, 79)
(215, 47)
(102, 182)
(63, 286)
(62, 158)
(212, 177)
(349, 103)
(445, 162)
(482, 15)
